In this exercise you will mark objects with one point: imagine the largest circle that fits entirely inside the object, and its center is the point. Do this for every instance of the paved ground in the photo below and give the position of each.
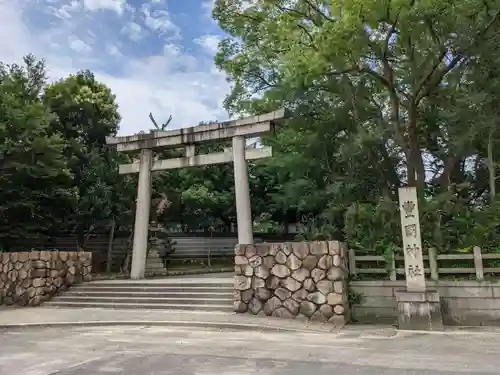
(136, 342)
(60, 316)
(174, 351)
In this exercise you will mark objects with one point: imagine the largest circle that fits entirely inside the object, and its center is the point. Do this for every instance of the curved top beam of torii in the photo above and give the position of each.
(247, 127)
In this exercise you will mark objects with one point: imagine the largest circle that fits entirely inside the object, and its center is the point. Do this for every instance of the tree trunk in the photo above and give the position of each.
(415, 163)
(110, 246)
(491, 167)
(446, 177)
(83, 237)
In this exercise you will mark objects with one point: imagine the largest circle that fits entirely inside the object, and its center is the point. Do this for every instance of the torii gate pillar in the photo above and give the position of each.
(142, 208)
(242, 192)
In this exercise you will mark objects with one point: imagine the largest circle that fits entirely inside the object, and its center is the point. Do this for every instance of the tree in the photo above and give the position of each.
(85, 113)
(35, 189)
(401, 51)
(382, 93)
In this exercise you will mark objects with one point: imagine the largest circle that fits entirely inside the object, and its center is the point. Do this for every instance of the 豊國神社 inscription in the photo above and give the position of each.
(412, 242)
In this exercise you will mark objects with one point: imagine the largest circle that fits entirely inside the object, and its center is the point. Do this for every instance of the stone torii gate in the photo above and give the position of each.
(188, 138)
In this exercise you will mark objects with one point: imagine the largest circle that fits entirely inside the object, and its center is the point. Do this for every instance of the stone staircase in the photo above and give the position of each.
(188, 294)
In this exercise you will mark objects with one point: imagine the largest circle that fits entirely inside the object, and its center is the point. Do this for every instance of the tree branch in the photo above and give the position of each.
(309, 35)
(354, 69)
(427, 78)
(390, 33)
(317, 10)
(291, 10)
(431, 81)
(434, 35)
(395, 122)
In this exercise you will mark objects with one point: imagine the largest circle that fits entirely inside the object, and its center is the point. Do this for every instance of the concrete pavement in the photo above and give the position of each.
(49, 317)
(169, 351)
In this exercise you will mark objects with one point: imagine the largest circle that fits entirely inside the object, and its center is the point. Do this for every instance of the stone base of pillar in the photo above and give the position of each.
(419, 310)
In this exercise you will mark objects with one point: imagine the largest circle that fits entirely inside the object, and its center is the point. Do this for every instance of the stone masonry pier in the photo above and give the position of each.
(32, 277)
(305, 280)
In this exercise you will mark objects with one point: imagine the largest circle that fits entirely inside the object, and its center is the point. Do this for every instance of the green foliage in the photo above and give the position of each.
(56, 173)
(354, 298)
(447, 225)
(265, 224)
(35, 189)
(373, 228)
(382, 94)
(85, 113)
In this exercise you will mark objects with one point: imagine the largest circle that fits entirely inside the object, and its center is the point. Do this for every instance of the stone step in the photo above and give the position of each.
(161, 282)
(126, 306)
(152, 289)
(148, 293)
(147, 300)
(190, 294)
(180, 289)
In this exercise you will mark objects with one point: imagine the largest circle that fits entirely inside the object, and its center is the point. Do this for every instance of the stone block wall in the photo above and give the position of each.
(29, 278)
(305, 280)
(463, 302)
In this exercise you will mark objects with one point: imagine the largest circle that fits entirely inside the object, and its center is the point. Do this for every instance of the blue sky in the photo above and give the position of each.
(156, 55)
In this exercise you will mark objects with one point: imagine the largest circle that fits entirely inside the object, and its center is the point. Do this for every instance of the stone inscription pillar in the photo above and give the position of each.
(242, 192)
(419, 308)
(143, 204)
(412, 241)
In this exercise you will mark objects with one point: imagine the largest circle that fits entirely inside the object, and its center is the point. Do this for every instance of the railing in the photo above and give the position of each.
(432, 260)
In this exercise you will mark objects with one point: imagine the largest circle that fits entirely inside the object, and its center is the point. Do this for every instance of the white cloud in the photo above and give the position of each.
(209, 42)
(134, 31)
(66, 11)
(113, 50)
(79, 45)
(208, 6)
(159, 20)
(168, 82)
(117, 6)
(172, 50)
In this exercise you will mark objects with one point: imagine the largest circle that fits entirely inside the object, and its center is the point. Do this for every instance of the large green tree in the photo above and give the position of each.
(382, 93)
(85, 113)
(393, 54)
(35, 181)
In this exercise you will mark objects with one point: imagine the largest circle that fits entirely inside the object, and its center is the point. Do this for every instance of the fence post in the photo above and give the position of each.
(433, 265)
(352, 262)
(393, 275)
(478, 263)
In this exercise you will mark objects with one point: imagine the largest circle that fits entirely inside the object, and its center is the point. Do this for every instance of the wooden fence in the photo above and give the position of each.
(369, 265)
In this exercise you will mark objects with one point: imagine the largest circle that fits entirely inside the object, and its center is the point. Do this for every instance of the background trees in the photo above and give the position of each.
(35, 179)
(383, 93)
(85, 113)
